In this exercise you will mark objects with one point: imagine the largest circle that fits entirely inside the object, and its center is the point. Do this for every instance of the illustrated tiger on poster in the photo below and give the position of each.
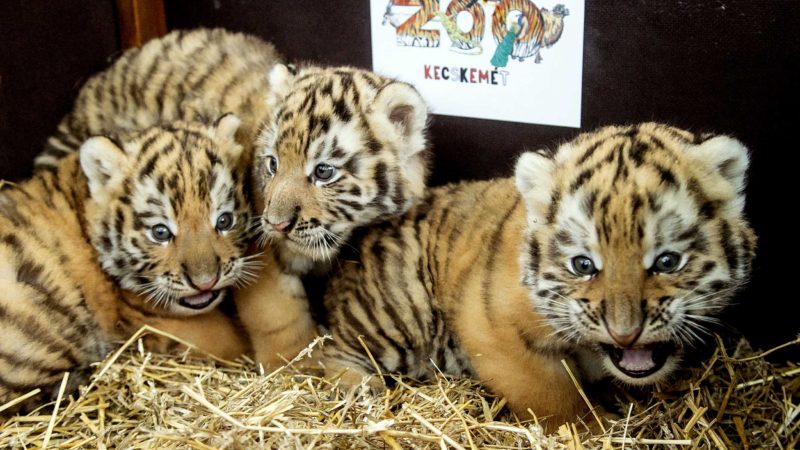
(527, 27)
(537, 27)
(614, 253)
(409, 29)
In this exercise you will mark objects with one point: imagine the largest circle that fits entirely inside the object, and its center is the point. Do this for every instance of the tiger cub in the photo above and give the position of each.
(192, 76)
(143, 227)
(621, 247)
(345, 149)
(335, 148)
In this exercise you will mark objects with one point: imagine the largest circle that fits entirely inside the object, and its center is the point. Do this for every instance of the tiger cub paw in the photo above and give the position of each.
(349, 379)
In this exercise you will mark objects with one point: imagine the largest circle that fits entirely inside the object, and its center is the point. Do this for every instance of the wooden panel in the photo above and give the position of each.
(140, 21)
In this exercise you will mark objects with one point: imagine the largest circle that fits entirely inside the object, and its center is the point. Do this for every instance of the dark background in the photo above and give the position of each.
(722, 66)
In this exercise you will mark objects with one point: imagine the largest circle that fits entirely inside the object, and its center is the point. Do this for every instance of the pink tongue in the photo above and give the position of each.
(198, 299)
(637, 359)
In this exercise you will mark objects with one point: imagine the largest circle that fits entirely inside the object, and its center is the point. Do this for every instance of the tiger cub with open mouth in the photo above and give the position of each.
(614, 252)
(147, 227)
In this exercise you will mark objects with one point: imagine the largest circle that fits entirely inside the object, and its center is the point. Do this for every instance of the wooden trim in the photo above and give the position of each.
(140, 21)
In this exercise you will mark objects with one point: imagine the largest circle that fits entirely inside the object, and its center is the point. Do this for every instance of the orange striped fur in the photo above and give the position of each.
(489, 278)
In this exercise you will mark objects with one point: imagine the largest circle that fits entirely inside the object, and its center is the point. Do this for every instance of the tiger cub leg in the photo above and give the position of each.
(46, 328)
(532, 381)
(351, 369)
(276, 315)
(212, 333)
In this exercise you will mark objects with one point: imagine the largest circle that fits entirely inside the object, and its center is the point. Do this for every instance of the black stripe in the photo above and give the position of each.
(590, 151)
(708, 266)
(493, 244)
(37, 333)
(51, 150)
(30, 274)
(12, 241)
(534, 255)
(638, 152)
(17, 360)
(667, 176)
(381, 181)
(236, 79)
(553, 209)
(728, 246)
(581, 179)
(636, 204)
(162, 91)
(342, 109)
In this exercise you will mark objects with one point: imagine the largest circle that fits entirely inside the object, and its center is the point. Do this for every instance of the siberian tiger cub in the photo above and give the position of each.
(195, 76)
(143, 227)
(57, 306)
(344, 149)
(621, 246)
(335, 148)
(176, 240)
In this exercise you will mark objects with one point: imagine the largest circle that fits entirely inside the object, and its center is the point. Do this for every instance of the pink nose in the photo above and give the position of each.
(625, 339)
(205, 283)
(282, 226)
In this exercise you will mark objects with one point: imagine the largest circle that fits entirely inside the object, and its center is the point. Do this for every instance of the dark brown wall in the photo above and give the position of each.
(47, 49)
(716, 65)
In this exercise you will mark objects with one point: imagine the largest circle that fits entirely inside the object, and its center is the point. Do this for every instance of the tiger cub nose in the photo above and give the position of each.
(625, 339)
(285, 226)
(204, 283)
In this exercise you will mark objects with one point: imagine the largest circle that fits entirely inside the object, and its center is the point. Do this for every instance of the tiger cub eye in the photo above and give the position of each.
(225, 221)
(666, 262)
(324, 172)
(161, 233)
(583, 265)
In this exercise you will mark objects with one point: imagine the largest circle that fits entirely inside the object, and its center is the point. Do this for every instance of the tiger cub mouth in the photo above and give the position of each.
(201, 300)
(640, 361)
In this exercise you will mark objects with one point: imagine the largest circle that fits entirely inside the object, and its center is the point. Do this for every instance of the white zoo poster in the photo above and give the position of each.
(512, 60)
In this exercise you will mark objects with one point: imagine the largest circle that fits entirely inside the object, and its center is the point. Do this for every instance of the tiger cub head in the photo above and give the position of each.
(636, 239)
(345, 148)
(168, 214)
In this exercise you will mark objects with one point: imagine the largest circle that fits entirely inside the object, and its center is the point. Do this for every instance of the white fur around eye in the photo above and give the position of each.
(146, 190)
(348, 136)
(220, 200)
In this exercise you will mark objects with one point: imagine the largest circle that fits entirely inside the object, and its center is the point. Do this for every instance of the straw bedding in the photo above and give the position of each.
(137, 399)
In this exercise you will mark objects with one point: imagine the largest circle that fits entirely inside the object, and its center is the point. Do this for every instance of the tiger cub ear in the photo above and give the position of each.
(400, 114)
(726, 160)
(280, 79)
(223, 132)
(103, 162)
(534, 179)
